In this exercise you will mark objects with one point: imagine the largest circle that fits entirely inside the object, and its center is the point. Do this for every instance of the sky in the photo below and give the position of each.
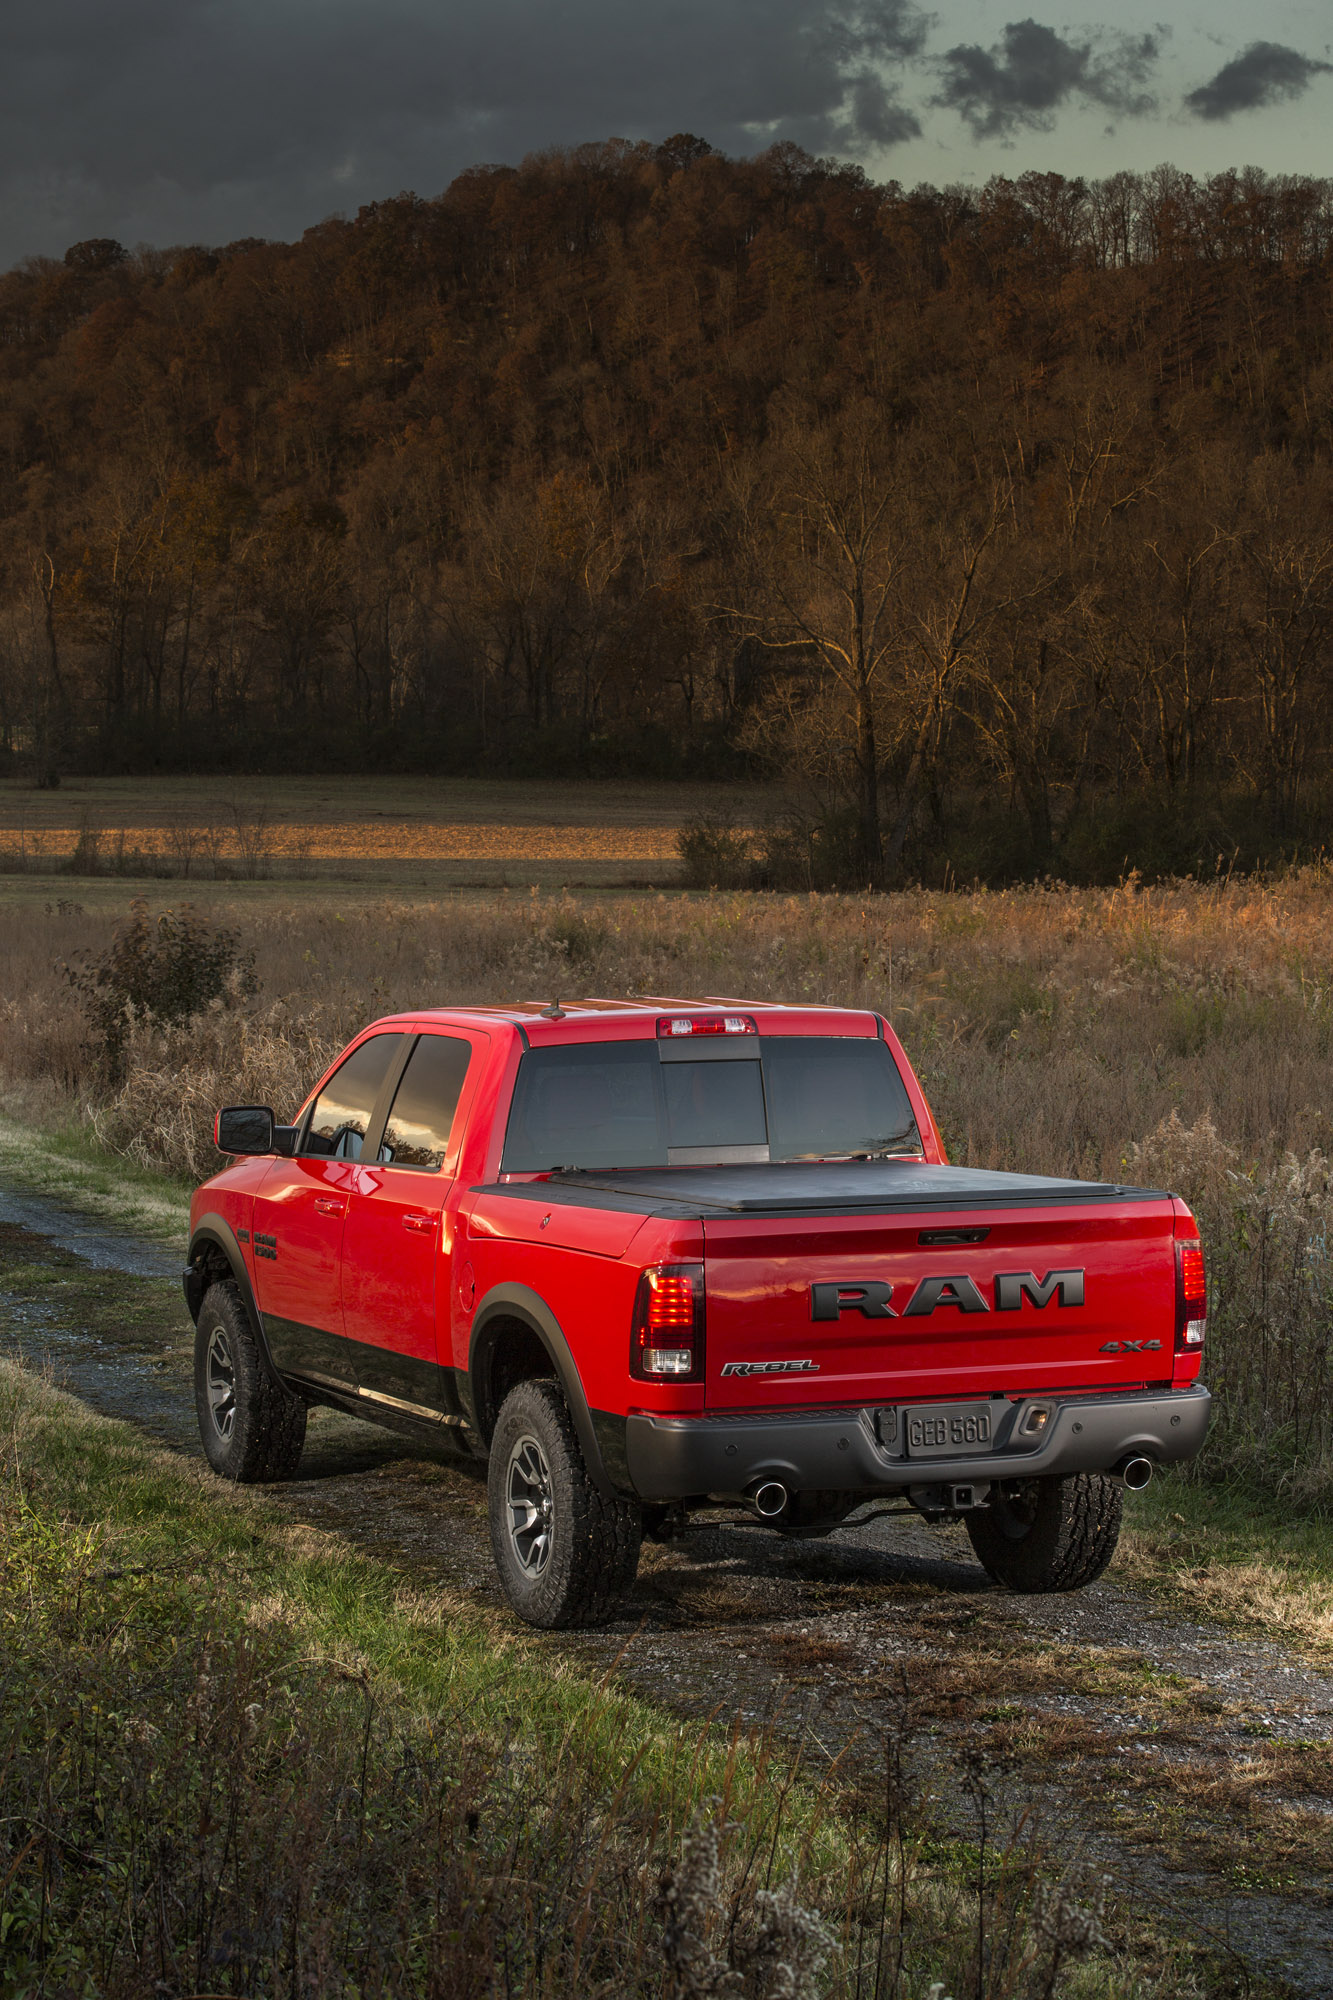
(201, 121)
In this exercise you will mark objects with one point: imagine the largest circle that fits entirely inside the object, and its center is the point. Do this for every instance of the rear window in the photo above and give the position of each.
(617, 1104)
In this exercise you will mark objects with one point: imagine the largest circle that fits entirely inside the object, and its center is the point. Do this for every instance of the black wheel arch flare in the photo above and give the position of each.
(503, 1305)
(211, 1240)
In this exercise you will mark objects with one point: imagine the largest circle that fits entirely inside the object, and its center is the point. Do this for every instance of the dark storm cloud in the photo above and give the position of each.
(1265, 73)
(1027, 76)
(187, 120)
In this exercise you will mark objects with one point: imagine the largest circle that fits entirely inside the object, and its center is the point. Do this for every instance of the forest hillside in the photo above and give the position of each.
(998, 523)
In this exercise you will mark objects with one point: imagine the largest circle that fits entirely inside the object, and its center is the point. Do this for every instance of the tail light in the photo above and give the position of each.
(1191, 1295)
(667, 1344)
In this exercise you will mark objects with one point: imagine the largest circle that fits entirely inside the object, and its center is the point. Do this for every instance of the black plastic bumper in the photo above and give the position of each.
(672, 1458)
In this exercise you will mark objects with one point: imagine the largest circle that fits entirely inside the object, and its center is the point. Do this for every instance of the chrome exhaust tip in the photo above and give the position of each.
(1136, 1473)
(768, 1498)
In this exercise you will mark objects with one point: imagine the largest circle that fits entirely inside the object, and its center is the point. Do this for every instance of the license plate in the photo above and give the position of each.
(947, 1430)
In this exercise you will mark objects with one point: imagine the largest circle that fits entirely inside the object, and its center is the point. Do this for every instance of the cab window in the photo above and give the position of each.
(587, 1104)
(340, 1116)
(417, 1133)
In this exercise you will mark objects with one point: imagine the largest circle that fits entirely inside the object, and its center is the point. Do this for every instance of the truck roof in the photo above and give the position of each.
(544, 1021)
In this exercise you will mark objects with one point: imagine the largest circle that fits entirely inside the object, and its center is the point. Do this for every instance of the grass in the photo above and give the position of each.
(235, 1755)
(103, 1536)
(67, 1162)
(1184, 1036)
(1238, 1555)
(340, 801)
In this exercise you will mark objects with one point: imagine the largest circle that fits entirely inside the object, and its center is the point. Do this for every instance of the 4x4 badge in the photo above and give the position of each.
(1130, 1347)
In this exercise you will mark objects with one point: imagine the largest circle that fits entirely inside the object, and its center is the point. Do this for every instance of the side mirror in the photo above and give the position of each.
(243, 1129)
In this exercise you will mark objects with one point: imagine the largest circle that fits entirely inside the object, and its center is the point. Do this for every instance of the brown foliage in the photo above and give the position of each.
(553, 472)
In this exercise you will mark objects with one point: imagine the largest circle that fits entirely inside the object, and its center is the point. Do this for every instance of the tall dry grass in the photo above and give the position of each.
(1181, 1035)
(228, 1767)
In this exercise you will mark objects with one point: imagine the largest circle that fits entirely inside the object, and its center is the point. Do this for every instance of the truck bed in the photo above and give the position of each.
(805, 1187)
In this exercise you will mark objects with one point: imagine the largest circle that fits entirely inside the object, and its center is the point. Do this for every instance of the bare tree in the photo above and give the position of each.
(851, 574)
(822, 547)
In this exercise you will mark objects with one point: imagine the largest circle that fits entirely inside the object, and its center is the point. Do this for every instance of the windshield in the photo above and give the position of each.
(620, 1104)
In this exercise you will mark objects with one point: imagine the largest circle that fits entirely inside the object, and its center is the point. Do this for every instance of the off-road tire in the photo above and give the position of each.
(1048, 1534)
(256, 1434)
(590, 1553)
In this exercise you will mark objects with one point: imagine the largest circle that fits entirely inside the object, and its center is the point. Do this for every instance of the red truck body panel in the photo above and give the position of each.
(760, 1272)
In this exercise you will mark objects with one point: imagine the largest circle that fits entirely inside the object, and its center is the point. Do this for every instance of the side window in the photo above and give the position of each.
(417, 1134)
(341, 1113)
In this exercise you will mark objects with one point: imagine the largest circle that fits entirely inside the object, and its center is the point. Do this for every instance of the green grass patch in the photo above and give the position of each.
(1236, 1554)
(68, 1162)
(1237, 1524)
(234, 1754)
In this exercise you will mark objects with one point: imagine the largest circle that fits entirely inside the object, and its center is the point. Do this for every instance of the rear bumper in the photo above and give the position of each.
(672, 1458)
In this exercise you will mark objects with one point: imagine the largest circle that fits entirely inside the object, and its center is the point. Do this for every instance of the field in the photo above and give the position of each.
(404, 832)
(1178, 1036)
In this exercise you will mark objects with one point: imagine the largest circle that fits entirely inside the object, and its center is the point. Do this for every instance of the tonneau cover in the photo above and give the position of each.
(797, 1187)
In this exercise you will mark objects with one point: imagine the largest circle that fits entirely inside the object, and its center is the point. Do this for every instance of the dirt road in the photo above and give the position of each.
(1190, 1765)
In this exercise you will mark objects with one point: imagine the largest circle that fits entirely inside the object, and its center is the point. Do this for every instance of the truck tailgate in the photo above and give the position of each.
(952, 1304)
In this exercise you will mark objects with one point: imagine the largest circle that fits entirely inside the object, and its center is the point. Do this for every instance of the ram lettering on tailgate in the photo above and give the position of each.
(871, 1297)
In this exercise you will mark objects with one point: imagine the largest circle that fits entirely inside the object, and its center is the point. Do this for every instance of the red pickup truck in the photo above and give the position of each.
(658, 1255)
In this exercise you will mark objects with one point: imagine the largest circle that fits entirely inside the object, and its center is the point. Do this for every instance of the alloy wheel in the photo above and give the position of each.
(220, 1376)
(529, 1505)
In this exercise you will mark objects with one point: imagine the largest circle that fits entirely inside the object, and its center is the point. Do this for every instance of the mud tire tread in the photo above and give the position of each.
(268, 1434)
(1069, 1544)
(595, 1552)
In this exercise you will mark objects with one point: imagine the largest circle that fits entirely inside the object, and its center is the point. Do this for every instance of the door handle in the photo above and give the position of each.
(422, 1224)
(325, 1205)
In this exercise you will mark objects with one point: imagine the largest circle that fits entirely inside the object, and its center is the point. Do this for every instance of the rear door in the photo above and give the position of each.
(398, 1242)
(951, 1305)
(300, 1210)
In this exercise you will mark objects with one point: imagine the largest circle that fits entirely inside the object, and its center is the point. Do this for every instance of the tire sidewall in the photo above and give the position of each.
(535, 1409)
(1069, 1543)
(268, 1425)
(226, 1456)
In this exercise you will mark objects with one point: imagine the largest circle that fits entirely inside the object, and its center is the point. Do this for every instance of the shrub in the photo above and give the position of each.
(166, 968)
(799, 851)
(811, 851)
(714, 855)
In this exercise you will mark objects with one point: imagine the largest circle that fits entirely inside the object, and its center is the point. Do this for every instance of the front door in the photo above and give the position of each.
(398, 1238)
(299, 1215)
